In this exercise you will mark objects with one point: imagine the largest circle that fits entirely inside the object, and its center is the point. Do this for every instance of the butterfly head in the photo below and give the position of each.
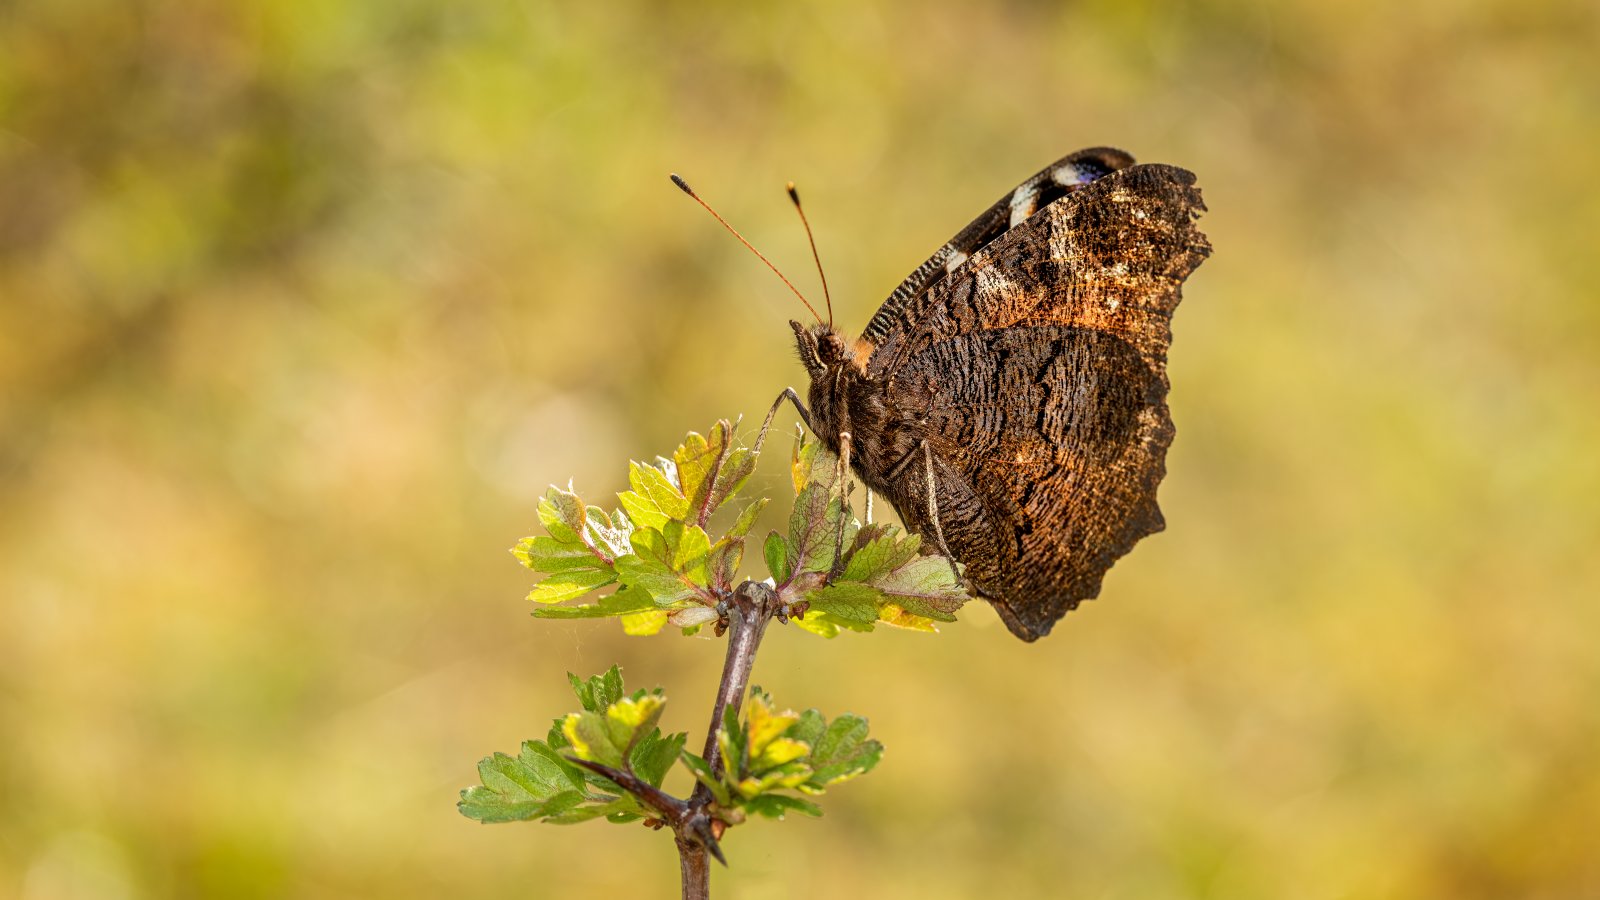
(821, 348)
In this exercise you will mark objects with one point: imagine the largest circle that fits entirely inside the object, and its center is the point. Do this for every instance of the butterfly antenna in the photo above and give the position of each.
(684, 186)
(794, 196)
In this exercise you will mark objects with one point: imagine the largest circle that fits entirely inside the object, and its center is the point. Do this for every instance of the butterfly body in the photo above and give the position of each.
(1010, 397)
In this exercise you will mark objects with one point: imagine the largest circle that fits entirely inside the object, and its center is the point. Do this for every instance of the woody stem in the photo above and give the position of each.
(750, 607)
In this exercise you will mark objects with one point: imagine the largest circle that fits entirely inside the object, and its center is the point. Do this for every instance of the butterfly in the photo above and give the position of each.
(1009, 397)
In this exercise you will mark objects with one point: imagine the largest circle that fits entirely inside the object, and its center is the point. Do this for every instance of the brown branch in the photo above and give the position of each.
(750, 607)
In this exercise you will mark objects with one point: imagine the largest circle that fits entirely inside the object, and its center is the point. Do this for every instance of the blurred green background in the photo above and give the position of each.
(303, 303)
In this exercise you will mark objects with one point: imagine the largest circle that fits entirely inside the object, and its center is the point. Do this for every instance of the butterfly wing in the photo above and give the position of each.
(1065, 175)
(1036, 370)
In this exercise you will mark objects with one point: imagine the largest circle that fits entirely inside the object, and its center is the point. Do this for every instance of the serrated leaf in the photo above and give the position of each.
(809, 727)
(564, 586)
(597, 692)
(843, 752)
(669, 563)
(633, 717)
(723, 562)
(625, 602)
(547, 554)
(746, 519)
(649, 622)
(549, 767)
(610, 688)
(561, 514)
(607, 534)
(814, 528)
(711, 470)
(763, 724)
(590, 739)
(779, 752)
(489, 807)
(811, 463)
(877, 550)
(530, 786)
(775, 806)
(736, 469)
(653, 755)
(789, 775)
(818, 623)
(848, 602)
(702, 773)
(925, 586)
(620, 806)
(776, 551)
(578, 551)
(655, 498)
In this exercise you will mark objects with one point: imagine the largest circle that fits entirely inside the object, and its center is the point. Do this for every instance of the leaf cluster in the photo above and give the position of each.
(770, 756)
(668, 569)
(542, 783)
(772, 760)
(655, 547)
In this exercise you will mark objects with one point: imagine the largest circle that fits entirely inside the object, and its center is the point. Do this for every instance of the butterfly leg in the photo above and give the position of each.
(868, 519)
(841, 478)
(933, 511)
(789, 395)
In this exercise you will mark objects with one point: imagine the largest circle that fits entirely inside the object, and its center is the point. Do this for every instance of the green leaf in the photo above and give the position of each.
(628, 601)
(811, 463)
(789, 775)
(698, 459)
(776, 551)
(655, 498)
(547, 554)
(763, 724)
(702, 773)
(775, 806)
(747, 518)
(533, 785)
(653, 755)
(814, 528)
(878, 550)
(598, 692)
(843, 752)
(809, 728)
(579, 551)
(849, 603)
(619, 808)
(819, 623)
(723, 562)
(564, 586)
(632, 717)
(562, 514)
(606, 534)
(669, 563)
(648, 622)
(590, 739)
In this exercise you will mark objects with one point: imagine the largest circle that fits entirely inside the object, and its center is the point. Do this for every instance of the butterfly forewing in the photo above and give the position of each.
(1036, 372)
(1065, 175)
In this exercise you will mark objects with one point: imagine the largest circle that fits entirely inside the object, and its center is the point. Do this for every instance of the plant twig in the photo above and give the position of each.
(750, 607)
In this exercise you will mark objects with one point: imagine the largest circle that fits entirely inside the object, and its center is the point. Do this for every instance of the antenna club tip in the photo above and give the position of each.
(794, 195)
(682, 185)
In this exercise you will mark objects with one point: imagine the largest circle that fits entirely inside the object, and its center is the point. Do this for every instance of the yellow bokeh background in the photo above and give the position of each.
(303, 304)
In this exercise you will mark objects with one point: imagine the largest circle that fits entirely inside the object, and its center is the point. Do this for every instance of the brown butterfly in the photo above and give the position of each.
(1009, 398)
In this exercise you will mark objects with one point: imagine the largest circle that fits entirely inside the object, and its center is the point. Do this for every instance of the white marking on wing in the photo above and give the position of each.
(993, 283)
(1023, 202)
